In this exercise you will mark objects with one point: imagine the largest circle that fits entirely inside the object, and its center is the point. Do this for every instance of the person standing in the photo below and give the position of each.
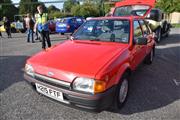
(29, 25)
(42, 23)
(38, 37)
(7, 26)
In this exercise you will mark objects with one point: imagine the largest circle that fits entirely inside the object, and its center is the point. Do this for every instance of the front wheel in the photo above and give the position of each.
(121, 93)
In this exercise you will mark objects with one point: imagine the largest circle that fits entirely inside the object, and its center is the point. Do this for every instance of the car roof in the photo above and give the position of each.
(118, 17)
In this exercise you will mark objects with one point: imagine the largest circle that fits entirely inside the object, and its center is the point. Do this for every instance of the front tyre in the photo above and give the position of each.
(121, 93)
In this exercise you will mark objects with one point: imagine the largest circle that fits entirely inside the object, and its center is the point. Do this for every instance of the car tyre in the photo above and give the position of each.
(121, 93)
(149, 58)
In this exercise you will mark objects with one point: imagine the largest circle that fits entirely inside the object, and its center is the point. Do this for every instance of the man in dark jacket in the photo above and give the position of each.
(7, 26)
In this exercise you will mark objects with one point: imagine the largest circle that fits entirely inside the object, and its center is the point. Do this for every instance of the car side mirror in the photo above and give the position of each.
(141, 41)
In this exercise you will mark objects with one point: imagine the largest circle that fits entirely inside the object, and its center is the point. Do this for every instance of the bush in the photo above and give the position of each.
(85, 10)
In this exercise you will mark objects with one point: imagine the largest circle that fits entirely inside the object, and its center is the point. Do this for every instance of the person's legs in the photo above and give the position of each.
(28, 35)
(48, 39)
(32, 36)
(40, 37)
(43, 40)
(37, 34)
(9, 32)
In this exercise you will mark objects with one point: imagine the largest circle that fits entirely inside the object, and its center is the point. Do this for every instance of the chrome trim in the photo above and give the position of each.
(52, 80)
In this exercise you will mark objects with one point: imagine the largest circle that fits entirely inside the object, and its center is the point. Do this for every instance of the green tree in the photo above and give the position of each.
(88, 9)
(52, 8)
(75, 10)
(29, 8)
(168, 6)
(69, 4)
(8, 10)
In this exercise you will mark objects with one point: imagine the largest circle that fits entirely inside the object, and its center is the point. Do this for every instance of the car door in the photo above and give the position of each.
(138, 51)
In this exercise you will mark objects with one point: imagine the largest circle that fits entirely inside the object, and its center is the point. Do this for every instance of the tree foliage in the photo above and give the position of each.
(168, 6)
(29, 8)
(88, 9)
(52, 8)
(69, 4)
(8, 10)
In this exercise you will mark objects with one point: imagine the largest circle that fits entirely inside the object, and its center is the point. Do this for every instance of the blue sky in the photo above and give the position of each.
(58, 5)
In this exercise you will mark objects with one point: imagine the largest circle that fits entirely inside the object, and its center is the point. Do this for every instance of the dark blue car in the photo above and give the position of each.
(69, 24)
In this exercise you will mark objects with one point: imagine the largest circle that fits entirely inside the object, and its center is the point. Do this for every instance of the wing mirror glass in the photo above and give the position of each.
(141, 41)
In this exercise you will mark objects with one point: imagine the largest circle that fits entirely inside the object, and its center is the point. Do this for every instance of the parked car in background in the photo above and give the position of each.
(68, 25)
(13, 29)
(156, 18)
(52, 26)
(19, 23)
(157, 22)
(80, 21)
(91, 70)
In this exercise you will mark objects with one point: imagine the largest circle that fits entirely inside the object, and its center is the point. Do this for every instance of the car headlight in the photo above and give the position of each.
(29, 70)
(88, 85)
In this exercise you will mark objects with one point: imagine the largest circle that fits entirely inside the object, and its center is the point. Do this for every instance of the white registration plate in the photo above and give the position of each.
(49, 92)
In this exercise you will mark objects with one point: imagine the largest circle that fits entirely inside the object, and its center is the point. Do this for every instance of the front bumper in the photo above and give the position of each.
(88, 102)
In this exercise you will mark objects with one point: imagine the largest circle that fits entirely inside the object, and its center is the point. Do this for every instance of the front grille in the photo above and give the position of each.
(52, 81)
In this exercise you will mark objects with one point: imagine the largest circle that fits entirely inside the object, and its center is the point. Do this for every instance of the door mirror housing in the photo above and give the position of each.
(141, 41)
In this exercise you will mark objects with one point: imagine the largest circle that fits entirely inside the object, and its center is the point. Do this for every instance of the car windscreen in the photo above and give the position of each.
(130, 10)
(108, 30)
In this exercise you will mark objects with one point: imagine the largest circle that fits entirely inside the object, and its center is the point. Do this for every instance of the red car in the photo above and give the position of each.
(52, 26)
(91, 70)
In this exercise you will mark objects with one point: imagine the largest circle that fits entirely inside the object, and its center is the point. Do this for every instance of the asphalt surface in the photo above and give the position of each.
(154, 89)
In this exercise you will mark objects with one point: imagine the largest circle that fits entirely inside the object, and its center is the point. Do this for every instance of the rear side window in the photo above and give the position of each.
(137, 30)
(144, 28)
(79, 20)
(63, 20)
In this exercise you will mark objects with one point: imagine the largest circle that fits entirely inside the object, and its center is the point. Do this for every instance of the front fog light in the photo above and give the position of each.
(29, 70)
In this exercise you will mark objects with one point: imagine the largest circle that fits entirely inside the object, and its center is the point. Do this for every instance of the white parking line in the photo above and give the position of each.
(176, 82)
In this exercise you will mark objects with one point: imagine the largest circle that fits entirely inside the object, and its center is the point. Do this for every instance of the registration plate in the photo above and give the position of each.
(57, 95)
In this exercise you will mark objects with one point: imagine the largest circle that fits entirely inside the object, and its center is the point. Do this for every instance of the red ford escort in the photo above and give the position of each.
(91, 70)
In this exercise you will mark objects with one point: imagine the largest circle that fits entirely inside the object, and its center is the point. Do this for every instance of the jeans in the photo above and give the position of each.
(30, 35)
